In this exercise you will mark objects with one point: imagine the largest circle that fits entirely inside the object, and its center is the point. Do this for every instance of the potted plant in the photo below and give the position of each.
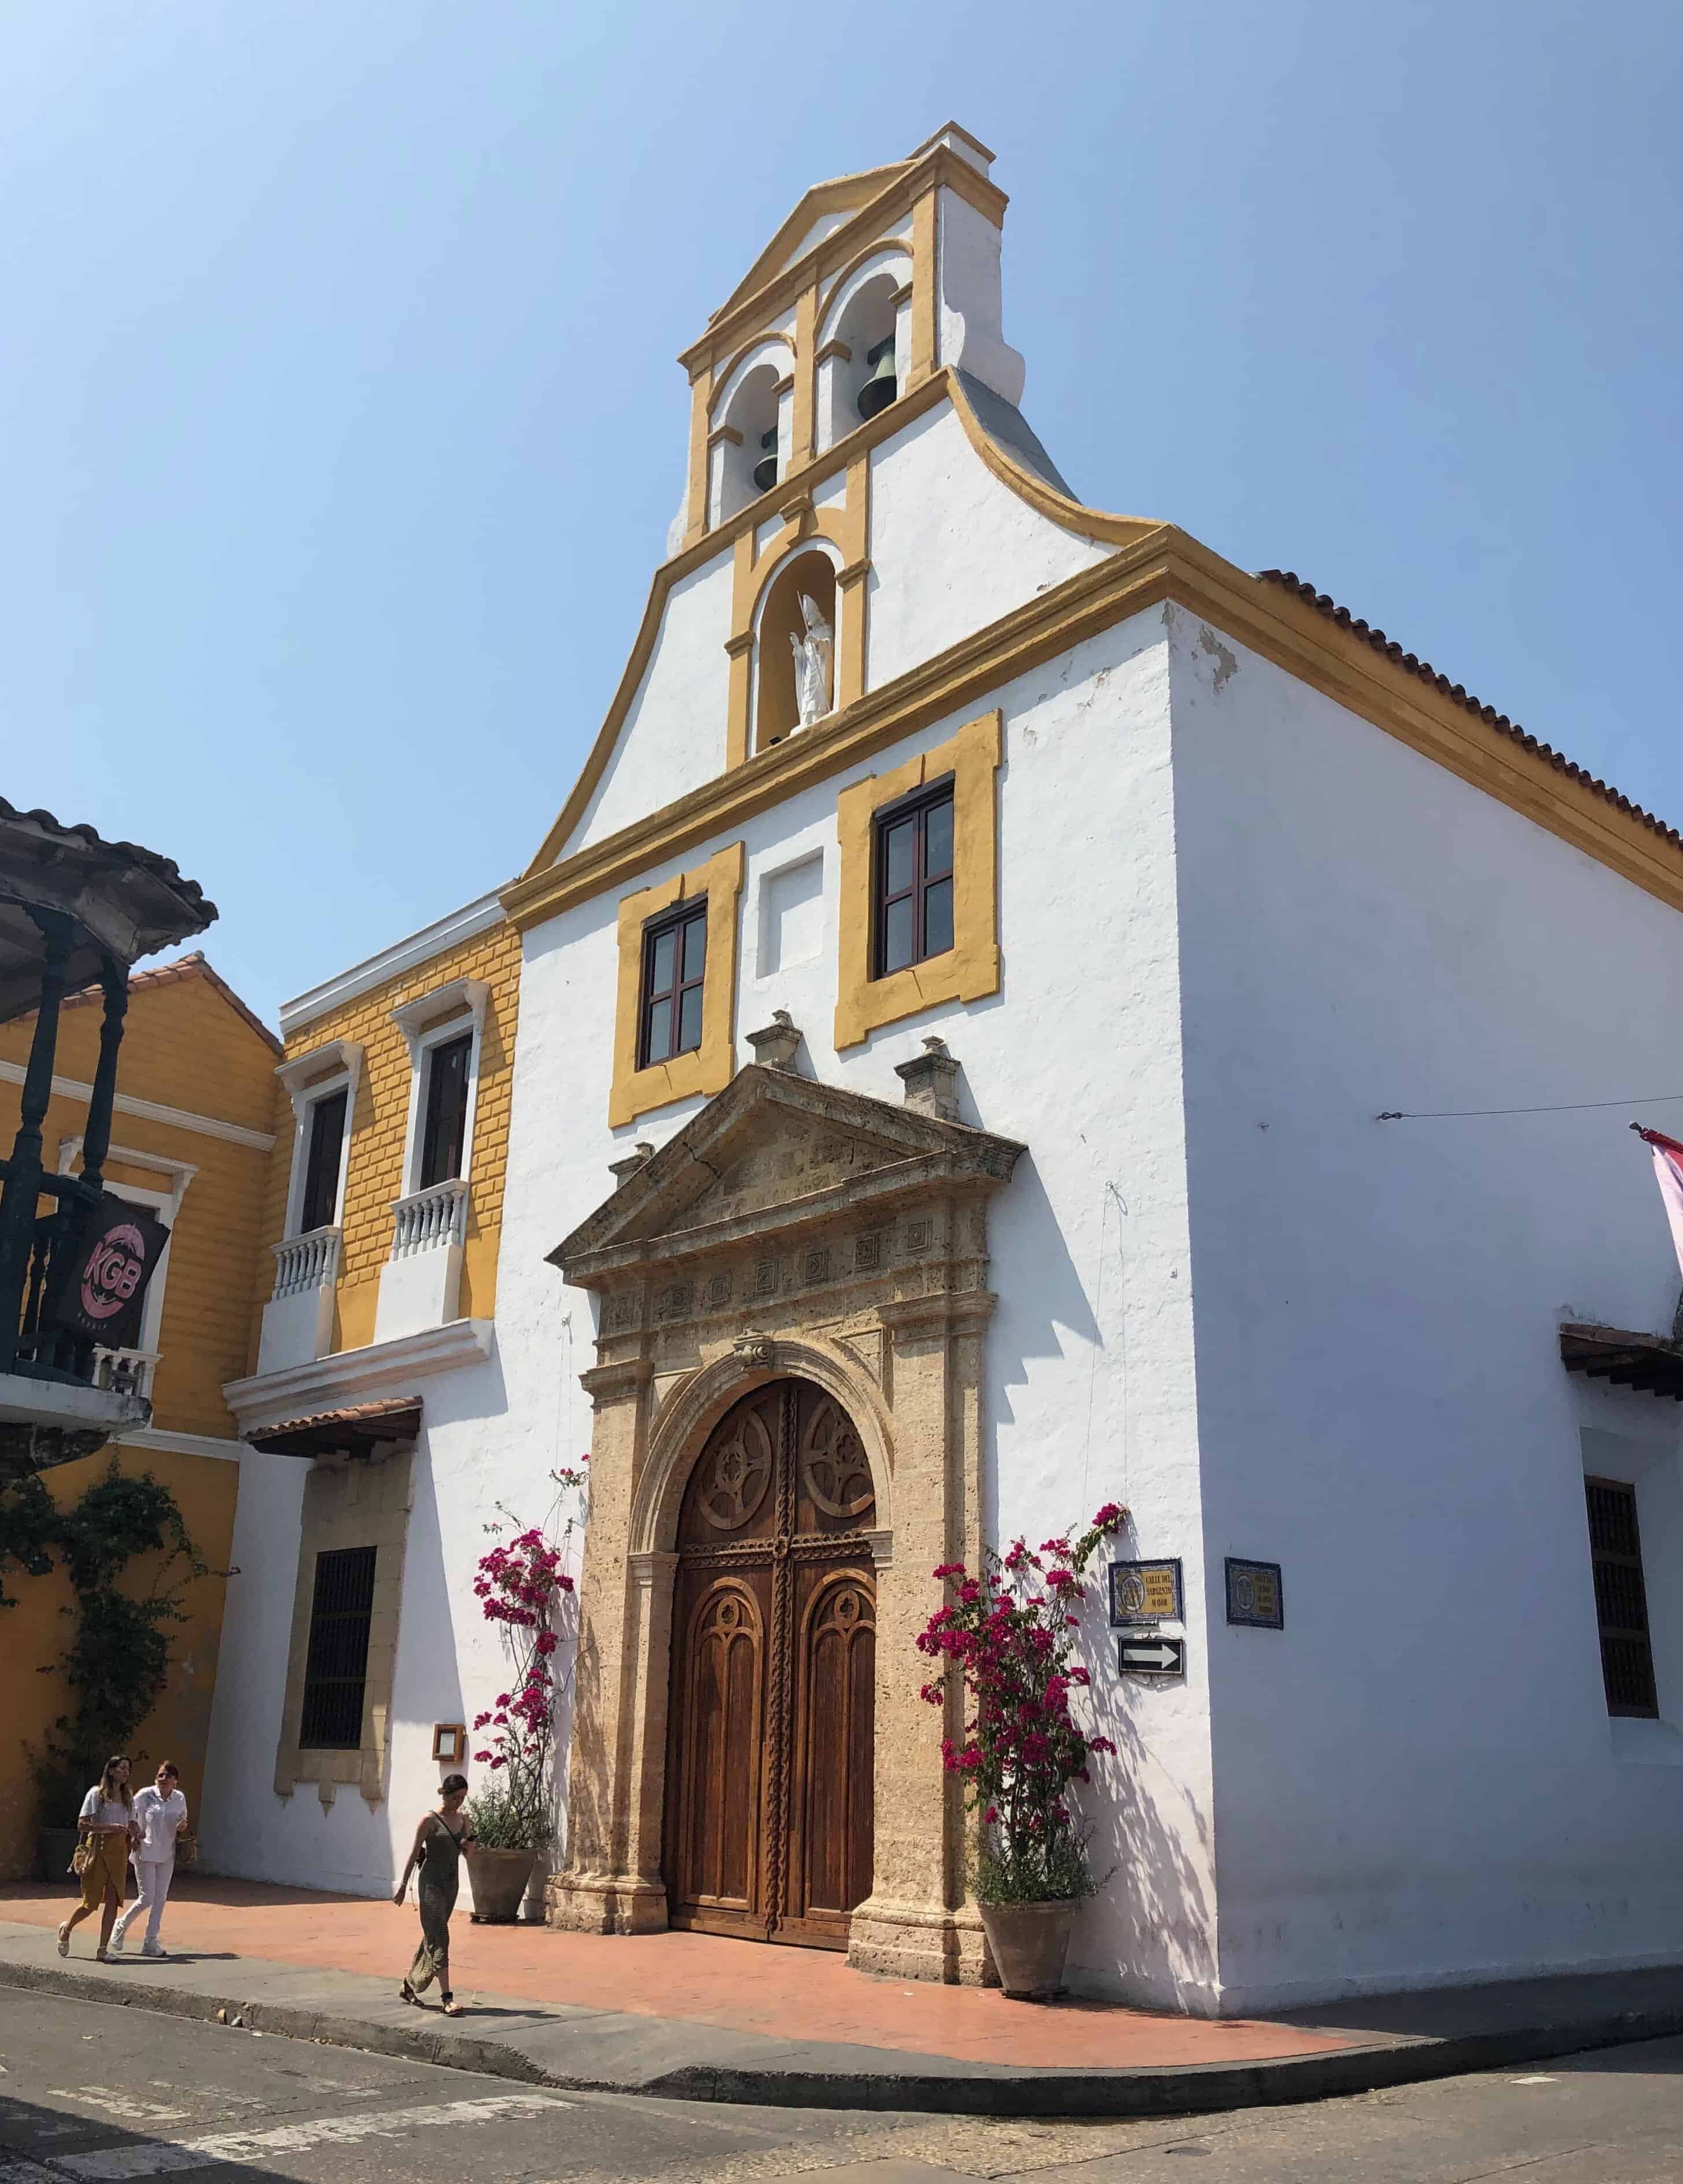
(1007, 1634)
(520, 1586)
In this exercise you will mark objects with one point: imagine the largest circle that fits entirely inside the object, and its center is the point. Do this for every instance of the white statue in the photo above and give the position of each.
(812, 656)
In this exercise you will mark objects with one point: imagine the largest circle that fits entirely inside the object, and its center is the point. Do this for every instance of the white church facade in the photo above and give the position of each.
(956, 1007)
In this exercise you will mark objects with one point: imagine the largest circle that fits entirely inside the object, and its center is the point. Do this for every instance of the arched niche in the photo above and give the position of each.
(744, 437)
(864, 319)
(777, 712)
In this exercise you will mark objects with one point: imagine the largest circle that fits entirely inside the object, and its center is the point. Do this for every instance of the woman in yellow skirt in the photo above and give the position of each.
(105, 1829)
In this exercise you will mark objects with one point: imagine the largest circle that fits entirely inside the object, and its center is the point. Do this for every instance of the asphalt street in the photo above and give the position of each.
(96, 2094)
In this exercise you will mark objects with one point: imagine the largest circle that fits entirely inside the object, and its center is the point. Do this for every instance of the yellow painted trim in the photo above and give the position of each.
(749, 308)
(970, 968)
(1160, 563)
(1070, 514)
(721, 377)
(695, 554)
(847, 192)
(880, 247)
(695, 502)
(923, 246)
(845, 525)
(806, 377)
(712, 1065)
(739, 644)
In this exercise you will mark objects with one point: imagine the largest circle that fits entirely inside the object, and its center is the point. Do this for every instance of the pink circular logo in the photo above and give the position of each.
(114, 1270)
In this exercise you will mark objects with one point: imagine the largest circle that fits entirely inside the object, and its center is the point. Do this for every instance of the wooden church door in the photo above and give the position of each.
(769, 1773)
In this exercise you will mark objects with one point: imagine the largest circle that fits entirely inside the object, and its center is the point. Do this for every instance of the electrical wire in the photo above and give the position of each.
(1567, 1108)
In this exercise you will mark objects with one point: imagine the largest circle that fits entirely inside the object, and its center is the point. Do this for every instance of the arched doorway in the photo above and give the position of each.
(769, 1778)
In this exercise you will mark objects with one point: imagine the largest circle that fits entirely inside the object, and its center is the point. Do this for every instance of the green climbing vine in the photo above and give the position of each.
(117, 1665)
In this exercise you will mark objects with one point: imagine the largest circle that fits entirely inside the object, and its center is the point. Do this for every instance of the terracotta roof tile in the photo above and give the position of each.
(354, 1421)
(194, 966)
(1289, 580)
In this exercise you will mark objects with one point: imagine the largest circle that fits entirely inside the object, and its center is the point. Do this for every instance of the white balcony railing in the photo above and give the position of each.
(126, 1372)
(306, 1262)
(427, 1220)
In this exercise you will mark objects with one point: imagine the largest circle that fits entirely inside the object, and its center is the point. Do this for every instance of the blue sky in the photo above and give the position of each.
(341, 426)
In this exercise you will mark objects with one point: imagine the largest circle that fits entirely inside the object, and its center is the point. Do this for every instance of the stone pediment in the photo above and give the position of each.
(775, 1152)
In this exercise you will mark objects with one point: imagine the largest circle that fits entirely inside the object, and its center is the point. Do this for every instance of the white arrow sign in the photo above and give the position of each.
(1159, 1656)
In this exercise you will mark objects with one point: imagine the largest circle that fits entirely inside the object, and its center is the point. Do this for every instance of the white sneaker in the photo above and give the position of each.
(117, 1940)
(152, 1949)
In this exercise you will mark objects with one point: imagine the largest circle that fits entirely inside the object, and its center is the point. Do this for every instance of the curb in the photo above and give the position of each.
(1191, 2089)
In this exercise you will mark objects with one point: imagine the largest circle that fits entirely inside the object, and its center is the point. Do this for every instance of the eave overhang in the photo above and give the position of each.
(353, 1429)
(1626, 1358)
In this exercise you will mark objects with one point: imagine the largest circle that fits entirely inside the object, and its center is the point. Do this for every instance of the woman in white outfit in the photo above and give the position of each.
(161, 1815)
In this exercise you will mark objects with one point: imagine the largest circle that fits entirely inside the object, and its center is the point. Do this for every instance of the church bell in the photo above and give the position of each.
(766, 470)
(881, 388)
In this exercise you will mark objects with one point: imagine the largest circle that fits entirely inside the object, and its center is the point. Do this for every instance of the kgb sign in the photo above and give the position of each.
(95, 1288)
(1145, 1592)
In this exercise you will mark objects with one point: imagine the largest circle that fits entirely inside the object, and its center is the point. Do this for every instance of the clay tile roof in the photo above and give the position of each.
(1289, 580)
(149, 861)
(354, 1425)
(185, 967)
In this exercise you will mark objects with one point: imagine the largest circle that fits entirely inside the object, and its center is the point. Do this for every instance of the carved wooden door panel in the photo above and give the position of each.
(769, 1777)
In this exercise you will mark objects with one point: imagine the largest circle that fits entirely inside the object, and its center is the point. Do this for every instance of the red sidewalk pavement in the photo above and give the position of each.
(809, 1994)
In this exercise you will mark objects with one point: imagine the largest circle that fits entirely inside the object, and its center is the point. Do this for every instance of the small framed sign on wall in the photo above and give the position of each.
(449, 1742)
(1255, 1595)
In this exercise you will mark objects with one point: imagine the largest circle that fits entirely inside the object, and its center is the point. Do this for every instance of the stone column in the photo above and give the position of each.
(914, 1924)
(600, 1890)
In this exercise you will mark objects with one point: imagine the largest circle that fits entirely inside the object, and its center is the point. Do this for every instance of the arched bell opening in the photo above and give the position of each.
(746, 451)
(795, 651)
(863, 382)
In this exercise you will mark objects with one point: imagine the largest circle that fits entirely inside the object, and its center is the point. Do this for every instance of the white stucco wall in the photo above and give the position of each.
(952, 549)
(673, 733)
(477, 1449)
(1091, 1389)
(1418, 1779)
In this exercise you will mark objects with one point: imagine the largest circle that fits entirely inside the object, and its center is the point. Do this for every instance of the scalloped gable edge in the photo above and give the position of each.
(943, 385)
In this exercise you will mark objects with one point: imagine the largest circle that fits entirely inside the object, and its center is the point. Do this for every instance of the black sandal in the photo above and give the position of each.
(407, 1993)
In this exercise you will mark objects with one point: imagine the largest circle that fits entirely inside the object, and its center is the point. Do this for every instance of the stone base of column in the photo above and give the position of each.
(920, 1942)
(603, 1904)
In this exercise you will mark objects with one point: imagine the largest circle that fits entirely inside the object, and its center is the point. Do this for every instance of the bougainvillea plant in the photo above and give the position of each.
(520, 1586)
(1006, 1637)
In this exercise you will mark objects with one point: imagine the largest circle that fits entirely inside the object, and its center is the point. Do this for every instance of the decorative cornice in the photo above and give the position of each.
(321, 1383)
(180, 1444)
(446, 932)
(151, 1110)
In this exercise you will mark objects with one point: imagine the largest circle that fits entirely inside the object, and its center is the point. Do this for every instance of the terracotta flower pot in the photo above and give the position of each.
(1029, 1943)
(498, 1879)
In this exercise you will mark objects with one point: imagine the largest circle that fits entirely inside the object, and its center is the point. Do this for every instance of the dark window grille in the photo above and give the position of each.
(444, 1126)
(335, 1669)
(322, 1162)
(914, 878)
(1621, 1598)
(674, 969)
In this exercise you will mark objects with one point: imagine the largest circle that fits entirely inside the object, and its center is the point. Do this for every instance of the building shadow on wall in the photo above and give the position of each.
(1148, 1936)
(427, 1689)
(1021, 1222)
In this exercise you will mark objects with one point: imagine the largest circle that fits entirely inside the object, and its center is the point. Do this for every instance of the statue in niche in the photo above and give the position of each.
(813, 652)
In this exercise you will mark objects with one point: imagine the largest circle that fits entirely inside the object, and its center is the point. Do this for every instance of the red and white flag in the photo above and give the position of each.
(1668, 1174)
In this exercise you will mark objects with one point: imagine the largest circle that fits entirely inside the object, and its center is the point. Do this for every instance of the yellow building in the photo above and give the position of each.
(373, 1333)
(193, 1135)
